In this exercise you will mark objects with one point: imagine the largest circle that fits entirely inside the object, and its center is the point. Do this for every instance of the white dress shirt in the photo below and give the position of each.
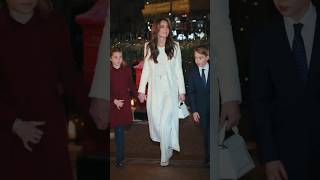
(308, 29)
(206, 71)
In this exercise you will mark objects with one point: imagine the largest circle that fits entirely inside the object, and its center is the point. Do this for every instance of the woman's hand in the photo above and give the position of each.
(182, 97)
(142, 97)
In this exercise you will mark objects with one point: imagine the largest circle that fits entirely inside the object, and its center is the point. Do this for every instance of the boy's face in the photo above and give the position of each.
(116, 59)
(200, 59)
(292, 8)
(22, 6)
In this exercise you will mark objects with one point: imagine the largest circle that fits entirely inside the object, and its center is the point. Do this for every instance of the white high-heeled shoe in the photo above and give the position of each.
(164, 164)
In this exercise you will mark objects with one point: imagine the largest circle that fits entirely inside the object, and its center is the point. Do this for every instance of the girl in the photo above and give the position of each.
(120, 107)
(35, 57)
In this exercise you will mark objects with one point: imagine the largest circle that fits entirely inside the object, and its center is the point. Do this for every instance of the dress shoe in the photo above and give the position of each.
(119, 164)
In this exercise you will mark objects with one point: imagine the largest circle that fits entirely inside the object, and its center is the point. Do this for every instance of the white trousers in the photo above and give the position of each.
(165, 118)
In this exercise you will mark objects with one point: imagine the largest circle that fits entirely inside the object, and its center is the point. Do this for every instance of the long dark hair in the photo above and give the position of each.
(153, 44)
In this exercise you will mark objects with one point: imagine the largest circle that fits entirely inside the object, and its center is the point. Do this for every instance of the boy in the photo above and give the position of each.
(284, 92)
(199, 98)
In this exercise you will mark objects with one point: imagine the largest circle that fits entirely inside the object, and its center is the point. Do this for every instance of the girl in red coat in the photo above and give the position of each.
(35, 57)
(121, 85)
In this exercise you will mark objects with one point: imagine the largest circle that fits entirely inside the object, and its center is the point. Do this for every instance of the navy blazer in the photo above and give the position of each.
(198, 94)
(283, 107)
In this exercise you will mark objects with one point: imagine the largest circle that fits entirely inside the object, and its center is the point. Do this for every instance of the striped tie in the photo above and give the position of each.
(203, 77)
(299, 52)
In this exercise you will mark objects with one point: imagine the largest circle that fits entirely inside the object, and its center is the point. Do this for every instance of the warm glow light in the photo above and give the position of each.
(132, 102)
(72, 130)
(178, 6)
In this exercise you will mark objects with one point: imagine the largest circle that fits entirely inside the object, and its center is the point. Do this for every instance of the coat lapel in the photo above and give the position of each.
(314, 62)
(208, 80)
(284, 52)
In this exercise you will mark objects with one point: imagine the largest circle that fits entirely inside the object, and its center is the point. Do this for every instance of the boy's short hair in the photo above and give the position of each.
(202, 49)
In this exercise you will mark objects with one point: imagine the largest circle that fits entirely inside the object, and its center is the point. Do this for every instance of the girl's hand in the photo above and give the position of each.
(119, 103)
(28, 132)
(142, 97)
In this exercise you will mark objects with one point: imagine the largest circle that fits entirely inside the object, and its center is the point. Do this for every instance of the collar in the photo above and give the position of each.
(206, 67)
(306, 20)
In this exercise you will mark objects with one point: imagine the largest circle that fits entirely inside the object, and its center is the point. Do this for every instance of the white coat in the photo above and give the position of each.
(177, 86)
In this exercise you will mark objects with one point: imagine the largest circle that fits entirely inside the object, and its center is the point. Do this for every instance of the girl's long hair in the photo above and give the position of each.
(153, 44)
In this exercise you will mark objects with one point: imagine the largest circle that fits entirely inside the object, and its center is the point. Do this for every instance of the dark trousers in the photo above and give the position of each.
(301, 158)
(205, 127)
(119, 137)
(314, 159)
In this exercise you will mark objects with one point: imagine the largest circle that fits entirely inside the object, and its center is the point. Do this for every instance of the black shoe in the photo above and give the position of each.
(119, 164)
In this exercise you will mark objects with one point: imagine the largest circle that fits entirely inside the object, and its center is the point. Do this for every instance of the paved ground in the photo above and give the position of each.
(139, 145)
(142, 156)
(149, 170)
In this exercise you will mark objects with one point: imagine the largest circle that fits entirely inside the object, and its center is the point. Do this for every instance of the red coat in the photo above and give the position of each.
(35, 57)
(121, 85)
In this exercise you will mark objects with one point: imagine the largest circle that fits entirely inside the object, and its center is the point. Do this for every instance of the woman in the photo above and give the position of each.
(35, 57)
(162, 71)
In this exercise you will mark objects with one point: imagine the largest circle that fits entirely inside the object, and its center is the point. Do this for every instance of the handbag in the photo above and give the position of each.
(183, 111)
(235, 160)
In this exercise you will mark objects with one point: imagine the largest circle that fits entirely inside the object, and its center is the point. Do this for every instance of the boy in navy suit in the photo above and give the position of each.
(285, 91)
(199, 98)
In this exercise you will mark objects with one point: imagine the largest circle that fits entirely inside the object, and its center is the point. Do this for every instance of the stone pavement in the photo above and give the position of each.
(142, 156)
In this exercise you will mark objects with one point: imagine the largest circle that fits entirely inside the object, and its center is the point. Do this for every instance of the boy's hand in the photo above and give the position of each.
(142, 97)
(182, 97)
(230, 112)
(275, 171)
(196, 117)
(119, 103)
(28, 132)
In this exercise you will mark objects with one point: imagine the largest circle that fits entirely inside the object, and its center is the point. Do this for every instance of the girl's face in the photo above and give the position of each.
(163, 29)
(22, 6)
(200, 59)
(116, 59)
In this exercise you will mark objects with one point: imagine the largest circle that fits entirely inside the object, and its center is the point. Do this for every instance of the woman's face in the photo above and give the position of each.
(163, 29)
(116, 59)
(22, 6)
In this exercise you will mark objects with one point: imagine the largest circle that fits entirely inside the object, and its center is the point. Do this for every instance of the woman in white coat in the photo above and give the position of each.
(162, 71)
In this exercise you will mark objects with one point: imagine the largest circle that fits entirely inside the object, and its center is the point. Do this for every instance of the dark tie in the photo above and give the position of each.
(299, 52)
(203, 77)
